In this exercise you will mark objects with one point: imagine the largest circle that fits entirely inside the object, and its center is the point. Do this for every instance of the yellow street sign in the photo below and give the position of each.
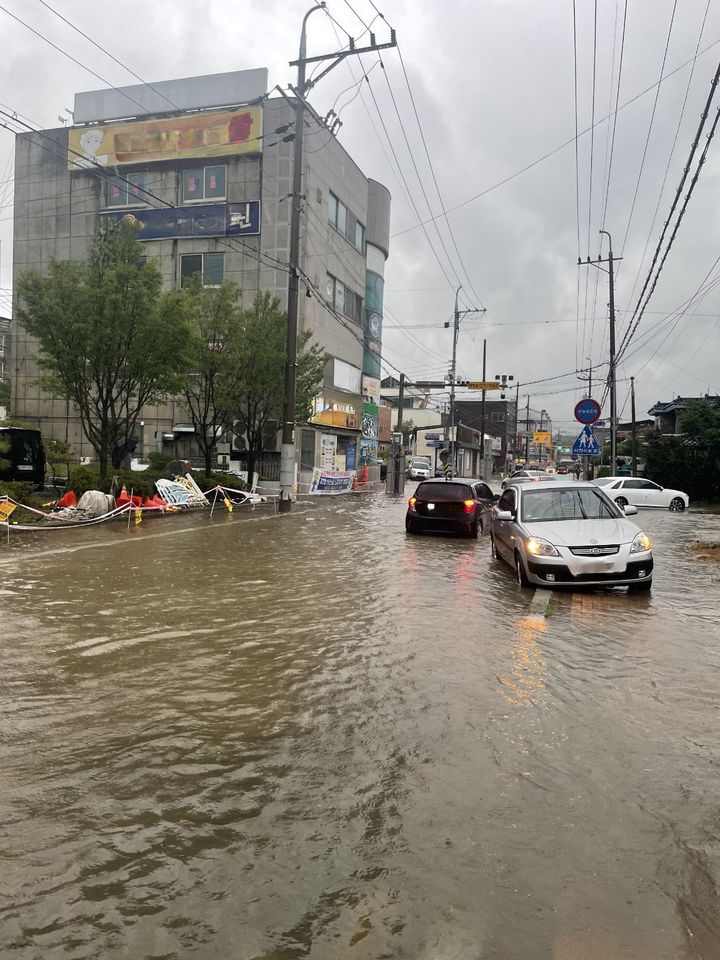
(6, 508)
(483, 385)
(542, 438)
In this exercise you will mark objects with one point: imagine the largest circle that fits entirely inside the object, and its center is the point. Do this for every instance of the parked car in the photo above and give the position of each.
(533, 476)
(450, 506)
(642, 493)
(22, 455)
(564, 534)
(418, 469)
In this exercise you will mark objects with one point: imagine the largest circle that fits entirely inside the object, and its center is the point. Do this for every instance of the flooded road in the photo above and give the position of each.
(308, 735)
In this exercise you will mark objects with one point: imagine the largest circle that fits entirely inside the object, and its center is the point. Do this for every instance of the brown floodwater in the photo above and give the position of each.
(271, 737)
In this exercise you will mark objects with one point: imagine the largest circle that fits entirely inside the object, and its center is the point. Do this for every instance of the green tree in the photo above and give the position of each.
(407, 428)
(254, 390)
(110, 339)
(4, 393)
(215, 315)
(689, 461)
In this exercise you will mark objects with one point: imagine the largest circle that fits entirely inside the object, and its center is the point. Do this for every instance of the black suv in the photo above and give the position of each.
(449, 506)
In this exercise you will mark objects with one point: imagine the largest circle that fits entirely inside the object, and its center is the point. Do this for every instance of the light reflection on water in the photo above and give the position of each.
(310, 736)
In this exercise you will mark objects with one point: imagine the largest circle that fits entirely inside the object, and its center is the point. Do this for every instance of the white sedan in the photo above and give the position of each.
(642, 493)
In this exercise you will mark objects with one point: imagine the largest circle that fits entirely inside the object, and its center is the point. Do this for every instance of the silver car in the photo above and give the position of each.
(564, 534)
(418, 469)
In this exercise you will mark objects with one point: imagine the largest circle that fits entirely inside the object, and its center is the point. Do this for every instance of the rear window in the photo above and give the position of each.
(444, 491)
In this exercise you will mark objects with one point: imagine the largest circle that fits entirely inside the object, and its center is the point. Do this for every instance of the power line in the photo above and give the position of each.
(110, 55)
(630, 333)
(650, 127)
(567, 143)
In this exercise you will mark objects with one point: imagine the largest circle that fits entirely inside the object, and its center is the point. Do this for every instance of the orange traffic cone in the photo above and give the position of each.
(68, 500)
(363, 481)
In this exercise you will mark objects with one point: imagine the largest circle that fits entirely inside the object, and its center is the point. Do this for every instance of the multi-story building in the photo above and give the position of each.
(204, 166)
(4, 338)
(668, 415)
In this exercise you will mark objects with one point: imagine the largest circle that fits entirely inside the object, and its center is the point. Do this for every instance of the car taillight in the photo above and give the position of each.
(411, 502)
(469, 505)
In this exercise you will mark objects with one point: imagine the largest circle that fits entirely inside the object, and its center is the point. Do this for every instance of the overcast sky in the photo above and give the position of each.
(493, 82)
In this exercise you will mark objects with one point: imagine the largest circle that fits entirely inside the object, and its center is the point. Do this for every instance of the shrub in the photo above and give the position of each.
(217, 478)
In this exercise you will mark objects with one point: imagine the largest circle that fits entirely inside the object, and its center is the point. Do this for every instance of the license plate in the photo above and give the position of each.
(431, 506)
(24, 466)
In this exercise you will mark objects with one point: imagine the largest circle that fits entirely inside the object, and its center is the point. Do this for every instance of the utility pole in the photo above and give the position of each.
(482, 407)
(540, 446)
(527, 433)
(287, 455)
(457, 314)
(612, 375)
(515, 438)
(397, 479)
(634, 433)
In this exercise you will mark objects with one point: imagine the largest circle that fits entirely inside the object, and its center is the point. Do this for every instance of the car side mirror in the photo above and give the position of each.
(495, 497)
(504, 515)
(630, 510)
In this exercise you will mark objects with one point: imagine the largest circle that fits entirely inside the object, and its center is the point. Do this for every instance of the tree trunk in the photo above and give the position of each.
(251, 457)
(103, 460)
(207, 453)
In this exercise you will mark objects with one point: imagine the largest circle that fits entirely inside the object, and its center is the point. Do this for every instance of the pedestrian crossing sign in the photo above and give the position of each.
(586, 444)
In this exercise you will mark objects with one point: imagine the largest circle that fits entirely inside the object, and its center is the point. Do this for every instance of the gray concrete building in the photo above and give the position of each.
(205, 166)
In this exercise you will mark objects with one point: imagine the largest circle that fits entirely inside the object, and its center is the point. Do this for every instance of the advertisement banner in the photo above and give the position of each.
(331, 481)
(371, 390)
(200, 220)
(328, 451)
(201, 135)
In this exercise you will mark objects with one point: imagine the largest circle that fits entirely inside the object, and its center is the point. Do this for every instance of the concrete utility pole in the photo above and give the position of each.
(527, 433)
(612, 375)
(457, 314)
(482, 405)
(287, 455)
(634, 433)
(397, 478)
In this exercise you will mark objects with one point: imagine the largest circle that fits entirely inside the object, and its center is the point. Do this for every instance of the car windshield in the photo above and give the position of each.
(443, 491)
(419, 463)
(566, 504)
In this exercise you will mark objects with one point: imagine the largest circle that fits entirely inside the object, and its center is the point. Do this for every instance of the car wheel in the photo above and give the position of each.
(520, 572)
(621, 502)
(642, 586)
(677, 504)
(473, 532)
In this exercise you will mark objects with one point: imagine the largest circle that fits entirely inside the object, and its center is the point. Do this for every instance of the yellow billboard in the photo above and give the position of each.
(171, 138)
(542, 437)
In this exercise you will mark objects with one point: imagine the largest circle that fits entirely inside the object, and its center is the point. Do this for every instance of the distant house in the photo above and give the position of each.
(668, 415)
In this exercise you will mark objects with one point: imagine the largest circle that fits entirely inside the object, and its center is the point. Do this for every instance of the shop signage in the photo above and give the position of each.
(199, 220)
(198, 136)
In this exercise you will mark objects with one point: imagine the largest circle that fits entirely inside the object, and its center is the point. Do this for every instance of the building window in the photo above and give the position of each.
(345, 222)
(204, 183)
(210, 266)
(307, 450)
(127, 191)
(343, 299)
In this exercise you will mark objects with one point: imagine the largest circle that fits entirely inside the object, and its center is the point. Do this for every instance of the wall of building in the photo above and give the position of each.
(58, 212)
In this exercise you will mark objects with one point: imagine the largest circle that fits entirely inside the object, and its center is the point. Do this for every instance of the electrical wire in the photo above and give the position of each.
(567, 143)
(650, 127)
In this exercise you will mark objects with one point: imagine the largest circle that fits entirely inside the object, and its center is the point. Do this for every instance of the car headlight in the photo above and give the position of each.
(641, 543)
(541, 548)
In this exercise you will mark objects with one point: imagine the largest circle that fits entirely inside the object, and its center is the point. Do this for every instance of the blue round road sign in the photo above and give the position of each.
(587, 411)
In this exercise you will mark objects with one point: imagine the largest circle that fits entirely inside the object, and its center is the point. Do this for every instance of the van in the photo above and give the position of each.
(22, 455)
